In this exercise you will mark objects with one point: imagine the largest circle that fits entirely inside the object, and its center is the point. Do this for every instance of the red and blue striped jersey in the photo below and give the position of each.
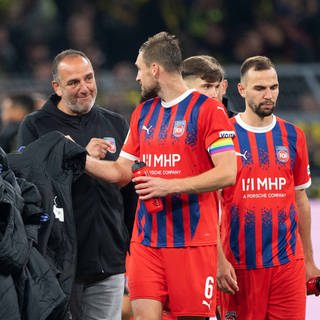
(260, 221)
(174, 140)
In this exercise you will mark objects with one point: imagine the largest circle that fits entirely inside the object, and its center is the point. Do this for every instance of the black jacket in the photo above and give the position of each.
(29, 289)
(13, 249)
(101, 209)
(52, 163)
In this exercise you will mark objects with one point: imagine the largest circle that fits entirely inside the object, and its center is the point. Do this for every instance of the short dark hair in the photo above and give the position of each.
(257, 63)
(22, 101)
(162, 48)
(206, 67)
(60, 56)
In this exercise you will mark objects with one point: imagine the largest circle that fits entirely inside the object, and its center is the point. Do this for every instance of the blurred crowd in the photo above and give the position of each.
(110, 31)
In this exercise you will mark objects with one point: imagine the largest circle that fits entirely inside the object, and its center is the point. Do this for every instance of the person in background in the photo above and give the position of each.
(39, 100)
(185, 139)
(265, 226)
(101, 209)
(14, 108)
(205, 74)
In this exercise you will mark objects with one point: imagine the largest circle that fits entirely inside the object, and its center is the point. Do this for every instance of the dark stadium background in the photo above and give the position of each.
(32, 32)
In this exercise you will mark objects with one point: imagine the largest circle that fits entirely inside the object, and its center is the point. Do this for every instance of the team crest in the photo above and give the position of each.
(113, 147)
(179, 127)
(282, 153)
(231, 315)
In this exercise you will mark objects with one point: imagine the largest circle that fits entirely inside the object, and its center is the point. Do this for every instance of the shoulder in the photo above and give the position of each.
(289, 125)
(293, 132)
(147, 103)
(143, 107)
(209, 102)
(106, 113)
(34, 116)
(213, 106)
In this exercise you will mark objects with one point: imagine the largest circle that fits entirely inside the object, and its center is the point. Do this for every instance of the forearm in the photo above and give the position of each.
(110, 171)
(304, 226)
(226, 276)
(223, 174)
(211, 180)
(305, 234)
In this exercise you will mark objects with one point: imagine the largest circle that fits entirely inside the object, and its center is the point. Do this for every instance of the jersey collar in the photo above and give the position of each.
(256, 129)
(171, 103)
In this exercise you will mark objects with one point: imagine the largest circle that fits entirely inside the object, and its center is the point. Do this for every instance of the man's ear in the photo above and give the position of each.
(155, 69)
(56, 87)
(241, 90)
(224, 86)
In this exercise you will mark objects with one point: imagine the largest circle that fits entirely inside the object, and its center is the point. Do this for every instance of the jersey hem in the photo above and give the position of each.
(266, 267)
(178, 245)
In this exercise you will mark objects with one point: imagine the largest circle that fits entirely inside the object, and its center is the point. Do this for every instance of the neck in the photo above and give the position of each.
(172, 87)
(254, 120)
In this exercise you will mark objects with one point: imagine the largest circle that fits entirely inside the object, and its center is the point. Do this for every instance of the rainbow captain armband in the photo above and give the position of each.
(221, 145)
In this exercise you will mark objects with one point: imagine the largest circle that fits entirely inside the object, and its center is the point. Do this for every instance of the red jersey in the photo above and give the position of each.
(174, 140)
(260, 220)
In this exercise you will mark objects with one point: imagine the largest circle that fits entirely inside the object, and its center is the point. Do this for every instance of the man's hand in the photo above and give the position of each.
(150, 187)
(226, 277)
(98, 148)
(311, 270)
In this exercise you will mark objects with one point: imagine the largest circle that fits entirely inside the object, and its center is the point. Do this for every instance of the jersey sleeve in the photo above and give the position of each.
(131, 146)
(301, 169)
(216, 122)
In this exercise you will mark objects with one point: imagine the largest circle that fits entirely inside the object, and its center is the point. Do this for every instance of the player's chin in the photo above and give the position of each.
(267, 109)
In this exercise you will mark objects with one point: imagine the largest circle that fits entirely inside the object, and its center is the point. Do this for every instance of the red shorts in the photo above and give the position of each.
(271, 293)
(182, 279)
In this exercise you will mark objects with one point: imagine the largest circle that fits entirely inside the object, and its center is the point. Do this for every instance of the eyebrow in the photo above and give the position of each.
(266, 86)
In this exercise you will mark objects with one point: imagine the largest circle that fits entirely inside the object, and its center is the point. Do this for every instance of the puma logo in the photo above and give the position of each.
(147, 129)
(204, 302)
(243, 155)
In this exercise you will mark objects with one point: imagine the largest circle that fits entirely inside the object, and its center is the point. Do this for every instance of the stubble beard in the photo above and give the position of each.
(149, 93)
(257, 109)
(79, 108)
